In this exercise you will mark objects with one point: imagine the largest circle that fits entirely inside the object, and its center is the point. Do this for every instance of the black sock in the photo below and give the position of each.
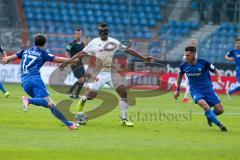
(73, 87)
(79, 88)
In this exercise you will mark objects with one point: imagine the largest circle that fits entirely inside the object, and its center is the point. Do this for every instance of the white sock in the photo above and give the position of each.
(124, 108)
(186, 92)
(84, 99)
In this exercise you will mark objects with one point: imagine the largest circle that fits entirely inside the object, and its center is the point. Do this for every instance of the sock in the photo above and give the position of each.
(212, 116)
(73, 87)
(84, 99)
(186, 92)
(2, 88)
(236, 89)
(124, 108)
(60, 116)
(39, 102)
(215, 112)
(79, 88)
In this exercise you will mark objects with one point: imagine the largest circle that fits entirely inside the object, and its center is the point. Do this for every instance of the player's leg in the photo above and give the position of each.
(213, 100)
(210, 114)
(236, 88)
(93, 88)
(71, 89)
(80, 75)
(58, 114)
(6, 93)
(78, 85)
(122, 92)
(186, 99)
(218, 109)
(233, 90)
(41, 98)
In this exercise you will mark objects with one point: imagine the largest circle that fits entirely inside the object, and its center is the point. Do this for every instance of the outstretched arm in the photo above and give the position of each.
(135, 53)
(229, 56)
(73, 60)
(57, 59)
(179, 81)
(7, 59)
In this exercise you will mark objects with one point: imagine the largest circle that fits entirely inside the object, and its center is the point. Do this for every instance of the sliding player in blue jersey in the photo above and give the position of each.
(32, 60)
(5, 92)
(234, 55)
(201, 87)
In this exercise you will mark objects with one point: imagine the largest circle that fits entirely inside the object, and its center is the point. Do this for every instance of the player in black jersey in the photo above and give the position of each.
(78, 70)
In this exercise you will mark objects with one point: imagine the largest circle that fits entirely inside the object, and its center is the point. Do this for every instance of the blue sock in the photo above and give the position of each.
(39, 102)
(60, 116)
(2, 88)
(235, 89)
(215, 112)
(212, 116)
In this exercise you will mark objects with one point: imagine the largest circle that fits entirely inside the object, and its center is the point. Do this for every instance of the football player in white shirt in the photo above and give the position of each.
(104, 48)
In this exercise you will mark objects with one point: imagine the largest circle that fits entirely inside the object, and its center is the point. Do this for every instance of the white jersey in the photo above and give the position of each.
(104, 52)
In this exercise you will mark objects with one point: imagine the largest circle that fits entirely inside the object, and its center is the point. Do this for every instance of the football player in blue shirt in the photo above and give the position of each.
(5, 92)
(234, 55)
(201, 87)
(32, 60)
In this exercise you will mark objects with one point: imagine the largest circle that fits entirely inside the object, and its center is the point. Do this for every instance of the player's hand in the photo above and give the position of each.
(4, 60)
(149, 59)
(221, 84)
(176, 94)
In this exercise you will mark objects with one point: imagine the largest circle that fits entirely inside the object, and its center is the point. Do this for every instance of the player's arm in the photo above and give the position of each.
(179, 81)
(219, 79)
(73, 60)
(214, 70)
(229, 57)
(57, 59)
(135, 53)
(7, 59)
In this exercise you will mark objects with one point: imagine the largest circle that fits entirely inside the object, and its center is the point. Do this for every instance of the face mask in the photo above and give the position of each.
(103, 32)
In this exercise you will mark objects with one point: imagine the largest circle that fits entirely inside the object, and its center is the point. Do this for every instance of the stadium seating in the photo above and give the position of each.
(218, 43)
(62, 17)
(174, 31)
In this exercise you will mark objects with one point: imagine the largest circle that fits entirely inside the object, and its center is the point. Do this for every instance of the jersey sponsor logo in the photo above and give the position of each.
(193, 74)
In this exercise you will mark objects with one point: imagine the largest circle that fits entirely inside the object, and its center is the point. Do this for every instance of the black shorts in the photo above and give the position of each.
(78, 72)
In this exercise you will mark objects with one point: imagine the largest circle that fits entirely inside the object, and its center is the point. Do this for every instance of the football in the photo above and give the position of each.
(81, 118)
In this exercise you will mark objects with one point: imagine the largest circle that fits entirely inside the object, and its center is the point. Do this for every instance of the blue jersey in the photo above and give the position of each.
(198, 74)
(32, 61)
(235, 54)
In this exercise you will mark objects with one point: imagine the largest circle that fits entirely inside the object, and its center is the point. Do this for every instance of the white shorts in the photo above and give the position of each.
(112, 79)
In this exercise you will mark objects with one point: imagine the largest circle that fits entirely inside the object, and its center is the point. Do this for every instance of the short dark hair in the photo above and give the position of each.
(103, 24)
(237, 39)
(78, 30)
(191, 49)
(40, 40)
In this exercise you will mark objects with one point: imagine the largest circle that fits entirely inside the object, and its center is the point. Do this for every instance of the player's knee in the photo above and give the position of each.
(219, 111)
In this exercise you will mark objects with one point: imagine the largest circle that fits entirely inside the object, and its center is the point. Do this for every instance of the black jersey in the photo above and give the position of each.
(73, 48)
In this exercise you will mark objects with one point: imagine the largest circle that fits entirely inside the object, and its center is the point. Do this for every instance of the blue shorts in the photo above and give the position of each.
(209, 96)
(35, 87)
(78, 72)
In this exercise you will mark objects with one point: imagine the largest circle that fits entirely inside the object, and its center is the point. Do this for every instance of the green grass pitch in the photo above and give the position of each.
(38, 135)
